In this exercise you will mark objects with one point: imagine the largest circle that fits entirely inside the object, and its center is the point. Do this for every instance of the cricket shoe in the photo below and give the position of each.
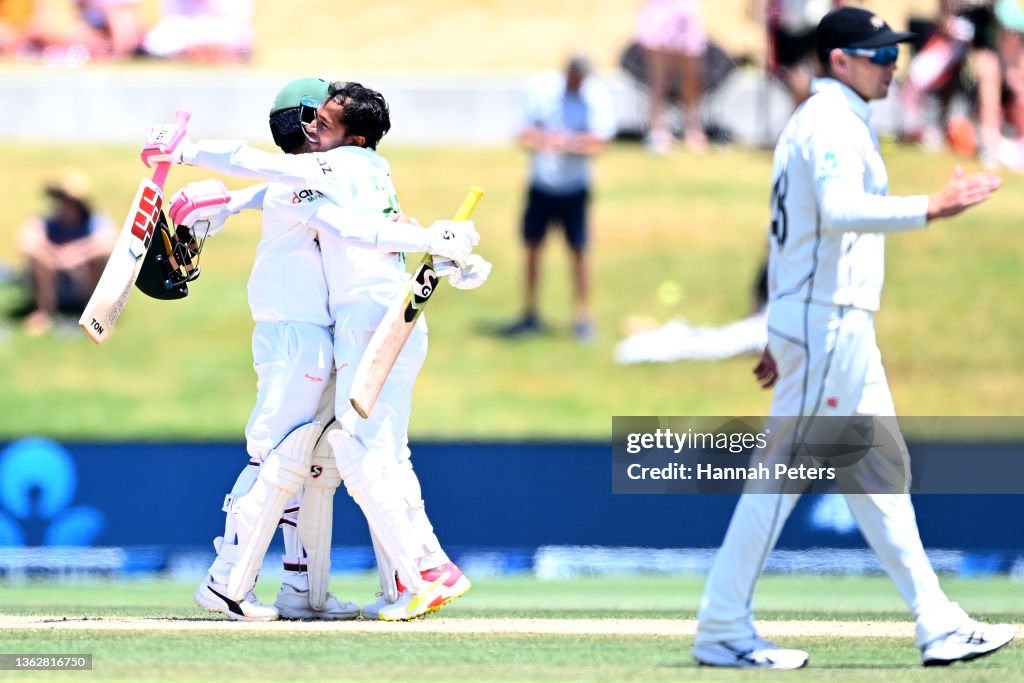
(750, 653)
(214, 597)
(372, 610)
(970, 641)
(441, 585)
(292, 603)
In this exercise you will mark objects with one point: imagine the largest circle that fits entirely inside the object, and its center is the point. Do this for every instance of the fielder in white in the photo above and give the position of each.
(830, 216)
(372, 455)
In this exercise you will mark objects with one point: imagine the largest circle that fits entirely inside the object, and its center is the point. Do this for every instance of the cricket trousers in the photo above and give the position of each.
(294, 371)
(384, 435)
(829, 365)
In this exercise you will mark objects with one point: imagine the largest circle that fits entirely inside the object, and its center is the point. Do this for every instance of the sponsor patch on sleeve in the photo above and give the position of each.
(828, 167)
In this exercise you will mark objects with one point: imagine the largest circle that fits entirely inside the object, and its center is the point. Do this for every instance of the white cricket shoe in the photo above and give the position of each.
(292, 603)
(443, 584)
(214, 597)
(751, 653)
(372, 610)
(970, 641)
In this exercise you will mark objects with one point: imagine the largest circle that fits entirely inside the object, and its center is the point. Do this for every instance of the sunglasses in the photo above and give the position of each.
(885, 56)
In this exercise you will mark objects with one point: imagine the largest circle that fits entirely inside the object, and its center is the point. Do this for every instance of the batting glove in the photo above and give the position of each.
(472, 274)
(166, 143)
(201, 207)
(452, 239)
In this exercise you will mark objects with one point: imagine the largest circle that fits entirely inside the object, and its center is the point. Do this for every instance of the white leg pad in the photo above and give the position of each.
(430, 554)
(226, 549)
(386, 571)
(316, 521)
(281, 476)
(366, 475)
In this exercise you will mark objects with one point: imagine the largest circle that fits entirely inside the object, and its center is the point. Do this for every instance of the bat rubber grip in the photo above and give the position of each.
(469, 203)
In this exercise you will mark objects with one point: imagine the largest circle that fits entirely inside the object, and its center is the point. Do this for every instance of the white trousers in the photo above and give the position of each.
(294, 364)
(829, 365)
(385, 434)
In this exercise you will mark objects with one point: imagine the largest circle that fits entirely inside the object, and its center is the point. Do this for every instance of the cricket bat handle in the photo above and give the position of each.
(390, 336)
(181, 118)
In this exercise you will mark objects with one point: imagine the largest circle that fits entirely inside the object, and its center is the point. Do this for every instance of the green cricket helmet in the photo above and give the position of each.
(294, 107)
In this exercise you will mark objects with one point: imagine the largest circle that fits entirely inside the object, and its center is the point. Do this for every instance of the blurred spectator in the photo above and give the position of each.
(203, 30)
(69, 32)
(38, 27)
(792, 29)
(113, 26)
(674, 41)
(14, 18)
(569, 117)
(963, 29)
(1011, 50)
(66, 250)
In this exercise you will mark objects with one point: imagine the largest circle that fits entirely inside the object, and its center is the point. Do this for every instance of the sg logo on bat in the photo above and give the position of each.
(423, 288)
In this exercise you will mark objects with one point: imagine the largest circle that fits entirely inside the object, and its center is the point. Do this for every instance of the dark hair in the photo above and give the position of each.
(365, 111)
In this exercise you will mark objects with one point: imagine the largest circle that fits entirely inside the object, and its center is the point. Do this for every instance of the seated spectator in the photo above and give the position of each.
(66, 251)
(15, 16)
(792, 54)
(112, 25)
(1011, 51)
(966, 32)
(203, 30)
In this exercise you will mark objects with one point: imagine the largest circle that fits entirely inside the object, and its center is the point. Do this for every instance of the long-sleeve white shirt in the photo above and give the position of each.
(287, 279)
(830, 204)
(360, 282)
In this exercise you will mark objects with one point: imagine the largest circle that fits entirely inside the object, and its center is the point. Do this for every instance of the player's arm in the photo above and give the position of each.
(448, 239)
(838, 167)
(236, 158)
(204, 207)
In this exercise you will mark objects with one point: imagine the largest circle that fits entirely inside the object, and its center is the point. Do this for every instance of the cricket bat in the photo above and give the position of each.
(390, 336)
(111, 294)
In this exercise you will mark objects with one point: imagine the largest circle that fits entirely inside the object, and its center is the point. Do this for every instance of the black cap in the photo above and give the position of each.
(854, 27)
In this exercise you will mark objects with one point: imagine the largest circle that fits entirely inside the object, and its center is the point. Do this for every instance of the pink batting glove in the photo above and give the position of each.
(201, 207)
(164, 144)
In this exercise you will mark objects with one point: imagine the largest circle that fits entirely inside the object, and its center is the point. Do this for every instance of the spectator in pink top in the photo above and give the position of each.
(674, 41)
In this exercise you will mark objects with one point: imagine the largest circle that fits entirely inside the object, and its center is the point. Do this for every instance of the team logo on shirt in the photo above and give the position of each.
(306, 196)
(829, 166)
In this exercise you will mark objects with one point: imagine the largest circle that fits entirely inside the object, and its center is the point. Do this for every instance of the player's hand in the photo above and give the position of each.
(473, 273)
(166, 143)
(201, 207)
(766, 372)
(961, 193)
(452, 239)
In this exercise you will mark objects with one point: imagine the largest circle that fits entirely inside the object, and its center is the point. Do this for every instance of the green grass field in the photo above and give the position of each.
(511, 629)
(950, 328)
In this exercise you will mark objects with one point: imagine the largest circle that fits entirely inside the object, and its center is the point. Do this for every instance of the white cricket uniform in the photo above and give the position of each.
(291, 348)
(292, 341)
(830, 211)
(361, 282)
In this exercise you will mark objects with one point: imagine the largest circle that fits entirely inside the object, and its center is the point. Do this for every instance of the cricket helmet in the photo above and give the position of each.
(171, 262)
(294, 106)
